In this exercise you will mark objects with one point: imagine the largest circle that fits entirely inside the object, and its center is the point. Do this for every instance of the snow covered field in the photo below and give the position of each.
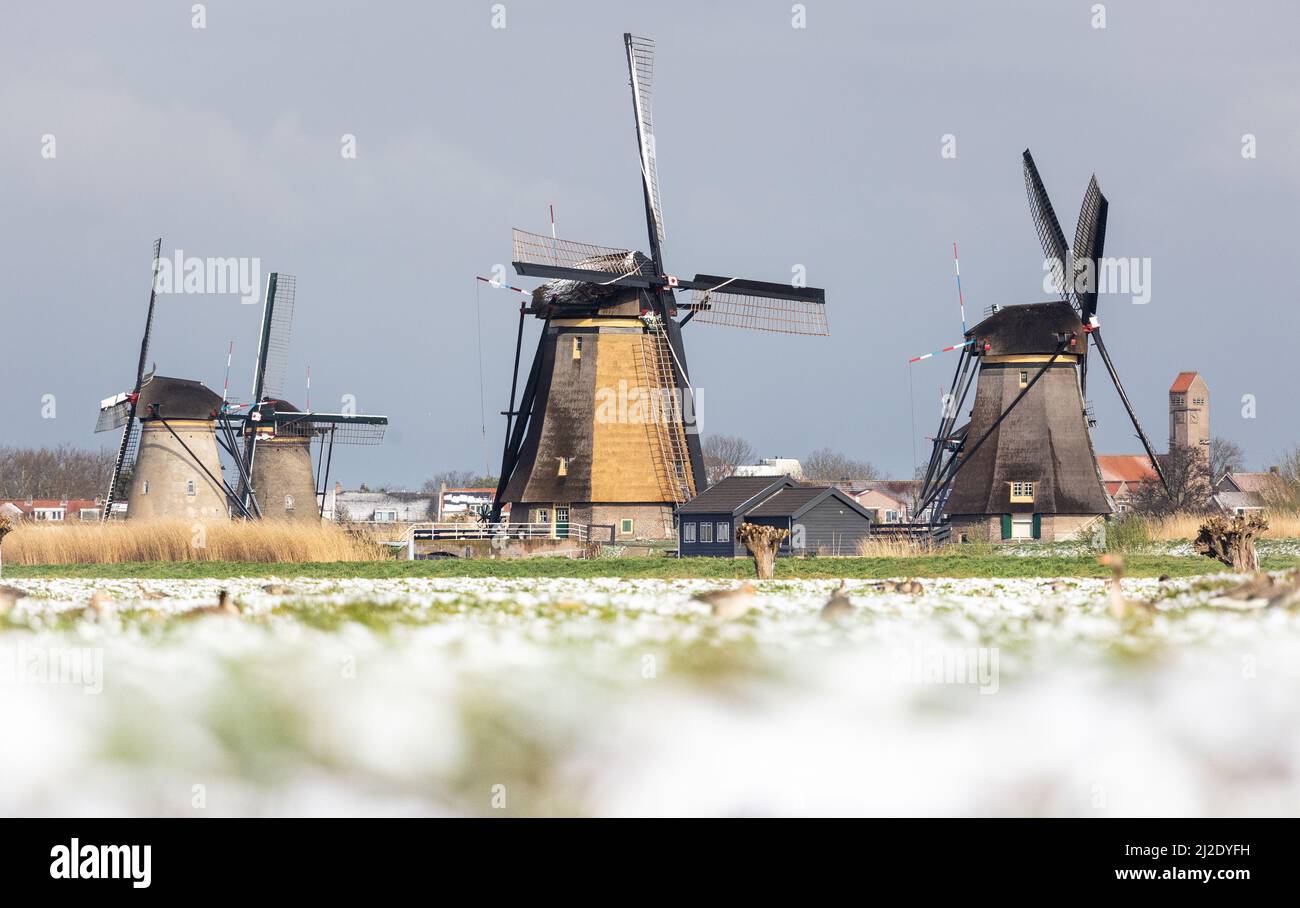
(526, 697)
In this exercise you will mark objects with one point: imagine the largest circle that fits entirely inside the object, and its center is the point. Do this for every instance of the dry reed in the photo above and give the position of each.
(893, 547)
(1281, 525)
(119, 542)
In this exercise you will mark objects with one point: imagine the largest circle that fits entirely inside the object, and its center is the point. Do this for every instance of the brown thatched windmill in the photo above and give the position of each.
(275, 464)
(605, 432)
(1023, 466)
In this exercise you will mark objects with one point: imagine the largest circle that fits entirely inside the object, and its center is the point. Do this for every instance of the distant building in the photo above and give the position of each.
(771, 466)
(887, 500)
(343, 505)
(821, 520)
(1123, 475)
(464, 504)
(1245, 493)
(1189, 413)
(56, 510)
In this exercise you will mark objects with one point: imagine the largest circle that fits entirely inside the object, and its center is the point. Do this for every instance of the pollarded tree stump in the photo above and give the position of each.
(6, 527)
(1231, 541)
(762, 542)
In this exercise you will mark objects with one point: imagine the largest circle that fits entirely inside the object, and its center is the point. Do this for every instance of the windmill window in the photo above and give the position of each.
(288, 502)
(191, 489)
(706, 532)
(688, 532)
(577, 348)
(564, 466)
(144, 487)
(625, 526)
(1024, 378)
(1022, 492)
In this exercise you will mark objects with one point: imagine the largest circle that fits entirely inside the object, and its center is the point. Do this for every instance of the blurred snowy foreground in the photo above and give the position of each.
(626, 697)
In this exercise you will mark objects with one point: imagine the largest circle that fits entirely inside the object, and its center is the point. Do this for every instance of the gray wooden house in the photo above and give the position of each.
(821, 520)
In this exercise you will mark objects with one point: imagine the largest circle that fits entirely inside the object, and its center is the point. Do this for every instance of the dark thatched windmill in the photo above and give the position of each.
(605, 431)
(1023, 466)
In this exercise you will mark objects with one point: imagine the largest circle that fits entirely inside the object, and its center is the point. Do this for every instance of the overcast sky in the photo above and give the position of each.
(777, 147)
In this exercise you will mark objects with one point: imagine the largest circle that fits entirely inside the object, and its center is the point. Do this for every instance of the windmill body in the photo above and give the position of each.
(1035, 476)
(605, 432)
(177, 468)
(282, 470)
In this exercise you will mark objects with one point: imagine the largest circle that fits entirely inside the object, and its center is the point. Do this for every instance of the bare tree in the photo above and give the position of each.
(825, 465)
(723, 453)
(1188, 476)
(61, 472)
(1225, 456)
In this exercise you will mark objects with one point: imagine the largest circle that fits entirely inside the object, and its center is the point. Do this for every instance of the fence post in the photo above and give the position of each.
(410, 545)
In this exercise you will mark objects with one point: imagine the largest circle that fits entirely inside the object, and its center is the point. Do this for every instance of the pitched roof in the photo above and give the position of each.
(795, 502)
(1125, 468)
(729, 495)
(1267, 481)
(1230, 501)
(1183, 382)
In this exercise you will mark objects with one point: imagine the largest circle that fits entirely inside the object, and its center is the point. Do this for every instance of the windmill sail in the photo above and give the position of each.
(1089, 243)
(641, 67)
(273, 351)
(539, 255)
(120, 411)
(759, 305)
(1049, 230)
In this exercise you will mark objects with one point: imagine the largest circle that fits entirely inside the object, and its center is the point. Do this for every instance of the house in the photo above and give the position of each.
(55, 510)
(1123, 475)
(888, 500)
(1243, 493)
(820, 519)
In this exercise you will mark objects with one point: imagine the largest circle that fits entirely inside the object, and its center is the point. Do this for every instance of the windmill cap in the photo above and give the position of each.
(177, 398)
(1036, 328)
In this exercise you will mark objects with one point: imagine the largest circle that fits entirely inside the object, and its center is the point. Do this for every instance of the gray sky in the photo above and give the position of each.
(777, 146)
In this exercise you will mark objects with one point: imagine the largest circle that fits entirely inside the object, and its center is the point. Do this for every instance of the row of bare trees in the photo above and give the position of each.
(60, 472)
(723, 453)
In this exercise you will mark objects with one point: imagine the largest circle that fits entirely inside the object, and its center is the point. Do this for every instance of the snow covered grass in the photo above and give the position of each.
(537, 696)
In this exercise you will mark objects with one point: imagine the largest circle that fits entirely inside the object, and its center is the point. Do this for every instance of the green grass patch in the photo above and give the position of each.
(946, 564)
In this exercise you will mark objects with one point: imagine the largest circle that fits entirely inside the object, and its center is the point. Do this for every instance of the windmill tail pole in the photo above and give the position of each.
(1119, 386)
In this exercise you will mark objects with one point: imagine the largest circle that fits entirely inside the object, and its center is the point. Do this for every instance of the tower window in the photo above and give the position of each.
(1024, 378)
(564, 466)
(144, 487)
(190, 488)
(1022, 492)
(577, 348)
(288, 502)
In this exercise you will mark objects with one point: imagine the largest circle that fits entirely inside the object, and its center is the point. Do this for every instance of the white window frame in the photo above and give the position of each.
(724, 531)
(688, 531)
(1025, 524)
(626, 526)
(53, 515)
(385, 515)
(706, 531)
(191, 488)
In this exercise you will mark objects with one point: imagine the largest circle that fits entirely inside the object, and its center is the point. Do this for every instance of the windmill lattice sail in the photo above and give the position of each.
(641, 65)
(593, 262)
(761, 313)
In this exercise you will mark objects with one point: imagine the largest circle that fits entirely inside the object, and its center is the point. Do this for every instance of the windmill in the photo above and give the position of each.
(168, 446)
(1024, 465)
(275, 464)
(605, 431)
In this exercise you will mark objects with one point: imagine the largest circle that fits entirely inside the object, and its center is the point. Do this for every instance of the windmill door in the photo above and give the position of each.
(561, 521)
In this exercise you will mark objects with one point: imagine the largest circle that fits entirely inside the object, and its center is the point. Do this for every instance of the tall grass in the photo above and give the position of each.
(1281, 525)
(120, 542)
